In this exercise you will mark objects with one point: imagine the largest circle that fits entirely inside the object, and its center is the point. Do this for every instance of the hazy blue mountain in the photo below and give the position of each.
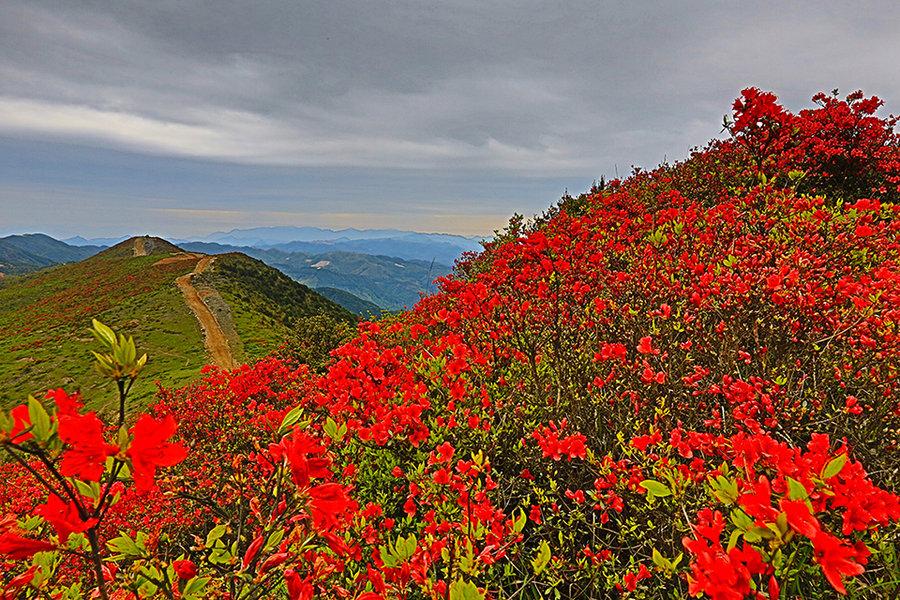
(105, 242)
(406, 248)
(270, 236)
(440, 247)
(388, 282)
(30, 252)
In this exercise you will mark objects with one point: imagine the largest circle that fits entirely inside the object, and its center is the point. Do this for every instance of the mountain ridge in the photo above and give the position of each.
(24, 253)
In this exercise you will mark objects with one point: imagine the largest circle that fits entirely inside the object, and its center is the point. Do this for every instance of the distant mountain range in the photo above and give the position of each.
(442, 248)
(270, 236)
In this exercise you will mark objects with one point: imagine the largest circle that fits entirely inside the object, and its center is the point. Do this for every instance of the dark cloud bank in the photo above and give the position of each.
(196, 115)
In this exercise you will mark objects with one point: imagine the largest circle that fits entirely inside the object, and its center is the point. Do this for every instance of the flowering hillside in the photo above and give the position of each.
(681, 384)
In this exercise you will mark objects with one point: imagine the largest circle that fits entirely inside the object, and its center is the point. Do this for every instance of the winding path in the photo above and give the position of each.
(216, 342)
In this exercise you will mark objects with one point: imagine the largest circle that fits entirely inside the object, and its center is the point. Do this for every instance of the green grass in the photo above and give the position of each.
(44, 321)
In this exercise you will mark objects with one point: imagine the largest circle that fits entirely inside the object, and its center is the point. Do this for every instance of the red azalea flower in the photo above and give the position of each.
(757, 501)
(185, 569)
(252, 551)
(304, 456)
(836, 559)
(64, 517)
(86, 457)
(21, 422)
(800, 518)
(66, 404)
(327, 501)
(298, 589)
(645, 346)
(19, 581)
(150, 449)
(17, 547)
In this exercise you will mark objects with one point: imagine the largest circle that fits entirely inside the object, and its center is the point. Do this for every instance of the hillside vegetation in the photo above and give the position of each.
(44, 318)
(681, 384)
(265, 305)
(354, 304)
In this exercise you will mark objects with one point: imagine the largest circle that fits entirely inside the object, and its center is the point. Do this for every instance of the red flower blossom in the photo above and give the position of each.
(86, 456)
(645, 346)
(327, 502)
(304, 456)
(836, 559)
(66, 404)
(298, 589)
(185, 569)
(17, 547)
(632, 579)
(21, 422)
(64, 517)
(800, 518)
(150, 449)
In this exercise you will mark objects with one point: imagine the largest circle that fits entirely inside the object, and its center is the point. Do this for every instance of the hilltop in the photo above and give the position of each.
(185, 307)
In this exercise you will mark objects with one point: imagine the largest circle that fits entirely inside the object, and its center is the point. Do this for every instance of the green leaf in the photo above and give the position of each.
(656, 488)
(519, 521)
(124, 546)
(404, 548)
(103, 333)
(733, 539)
(542, 558)
(741, 519)
(214, 534)
(834, 466)
(40, 420)
(331, 428)
(289, 419)
(464, 590)
(274, 539)
(6, 422)
(661, 561)
(796, 490)
(91, 490)
(194, 587)
(387, 556)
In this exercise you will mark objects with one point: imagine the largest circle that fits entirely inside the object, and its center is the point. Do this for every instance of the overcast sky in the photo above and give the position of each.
(181, 118)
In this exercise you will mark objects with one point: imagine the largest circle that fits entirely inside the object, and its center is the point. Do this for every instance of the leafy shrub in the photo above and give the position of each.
(672, 392)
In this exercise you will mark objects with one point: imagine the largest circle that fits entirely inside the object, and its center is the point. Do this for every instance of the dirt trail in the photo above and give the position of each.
(216, 342)
(181, 256)
(139, 249)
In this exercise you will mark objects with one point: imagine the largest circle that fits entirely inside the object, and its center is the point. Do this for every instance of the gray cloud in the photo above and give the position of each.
(532, 87)
(192, 115)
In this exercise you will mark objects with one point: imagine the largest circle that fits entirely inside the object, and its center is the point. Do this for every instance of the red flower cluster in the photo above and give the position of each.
(695, 336)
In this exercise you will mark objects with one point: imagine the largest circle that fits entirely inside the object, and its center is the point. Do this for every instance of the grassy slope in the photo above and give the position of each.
(351, 302)
(44, 319)
(264, 302)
